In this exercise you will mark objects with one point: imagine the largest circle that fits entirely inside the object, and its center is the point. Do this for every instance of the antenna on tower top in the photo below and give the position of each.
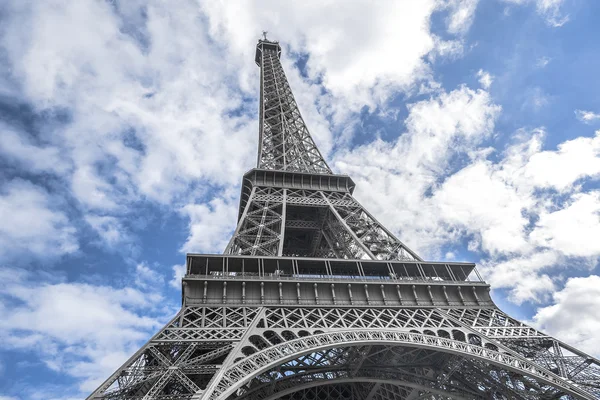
(265, 34)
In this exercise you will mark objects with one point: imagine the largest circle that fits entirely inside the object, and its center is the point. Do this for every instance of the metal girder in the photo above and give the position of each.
(333, 225)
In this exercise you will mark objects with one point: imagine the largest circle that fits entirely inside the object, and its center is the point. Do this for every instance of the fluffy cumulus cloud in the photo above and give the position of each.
(466, 198)
(543, 189)
(33, 223)
(573, 160)
(81, 330)
(485, 79)
(587, 116)
(573, 229)
(141, 121)
(574, 315)
(211, 225)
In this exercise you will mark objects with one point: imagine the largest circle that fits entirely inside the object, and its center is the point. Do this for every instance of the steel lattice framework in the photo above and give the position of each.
(314, 299)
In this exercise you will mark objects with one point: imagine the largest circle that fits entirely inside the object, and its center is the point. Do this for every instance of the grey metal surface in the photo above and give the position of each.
(315, 299)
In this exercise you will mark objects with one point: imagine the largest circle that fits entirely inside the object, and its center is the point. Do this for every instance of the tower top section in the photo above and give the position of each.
(285, 143)
(265, 45)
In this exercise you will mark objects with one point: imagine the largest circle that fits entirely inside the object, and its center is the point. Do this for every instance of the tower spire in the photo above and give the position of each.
(284, 141)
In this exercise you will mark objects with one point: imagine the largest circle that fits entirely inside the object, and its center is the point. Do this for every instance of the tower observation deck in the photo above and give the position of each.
(314, 298)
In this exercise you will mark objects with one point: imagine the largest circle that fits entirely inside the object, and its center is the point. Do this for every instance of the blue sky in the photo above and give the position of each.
(472, 129)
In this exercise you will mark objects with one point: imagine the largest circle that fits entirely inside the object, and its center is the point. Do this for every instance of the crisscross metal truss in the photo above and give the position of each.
(562, 359)
(312, 223)
(389, 352)
(179, 361)
(285, 143)
(357, 318)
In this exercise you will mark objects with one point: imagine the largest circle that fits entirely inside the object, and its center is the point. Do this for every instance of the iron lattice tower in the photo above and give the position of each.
(315, 299)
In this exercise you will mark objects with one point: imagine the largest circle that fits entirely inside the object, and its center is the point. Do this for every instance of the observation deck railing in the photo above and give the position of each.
(232, 267)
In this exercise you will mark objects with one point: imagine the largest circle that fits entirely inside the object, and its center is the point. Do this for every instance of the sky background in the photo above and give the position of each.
(472, 130)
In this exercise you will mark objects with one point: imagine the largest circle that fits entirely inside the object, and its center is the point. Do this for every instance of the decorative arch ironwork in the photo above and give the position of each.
(238, 374)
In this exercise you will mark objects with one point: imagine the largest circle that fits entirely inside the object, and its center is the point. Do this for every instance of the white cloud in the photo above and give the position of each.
(93, 191)
(574, 315)
(146, 277)
(81, 330)
(477, 202)
(461, 15)
(110, 229)
(17, 148)
(32, 222)
(587, 116)
(211, 225)
(550, 10)
(447, 49)
(144, 122)
(573, 160)
(574, 229)
(526, 236)
(178, 274)
(525, 276)
(485, 79)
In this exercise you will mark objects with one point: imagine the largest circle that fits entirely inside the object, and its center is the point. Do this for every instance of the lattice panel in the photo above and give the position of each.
(259, 231)
(166, 372)
(199, 334)
(359, 318)
(208, 323)
(285, 141)
(380, 243)
(387, 391)
(493, 322)
(328, 392)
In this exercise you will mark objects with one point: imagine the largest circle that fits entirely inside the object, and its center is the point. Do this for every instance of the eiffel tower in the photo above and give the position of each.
(315, 299)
